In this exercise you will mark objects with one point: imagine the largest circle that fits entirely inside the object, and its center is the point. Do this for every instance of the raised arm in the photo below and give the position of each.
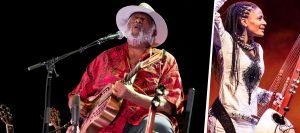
(219, 4)
(219, 30)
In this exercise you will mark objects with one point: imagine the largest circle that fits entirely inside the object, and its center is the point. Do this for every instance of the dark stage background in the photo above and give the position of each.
(34, 32)
(281, 32)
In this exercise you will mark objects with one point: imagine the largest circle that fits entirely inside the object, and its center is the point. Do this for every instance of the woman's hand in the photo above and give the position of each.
(278, 99)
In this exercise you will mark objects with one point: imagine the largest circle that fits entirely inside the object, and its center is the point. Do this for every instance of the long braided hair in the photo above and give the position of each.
(235, 13)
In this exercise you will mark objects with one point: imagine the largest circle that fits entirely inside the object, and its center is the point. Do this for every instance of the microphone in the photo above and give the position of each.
(119, 35)
(75, 111)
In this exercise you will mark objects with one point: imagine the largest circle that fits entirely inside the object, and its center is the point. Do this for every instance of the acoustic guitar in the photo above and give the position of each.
(105, 106)
(6, 117)
(55, 120)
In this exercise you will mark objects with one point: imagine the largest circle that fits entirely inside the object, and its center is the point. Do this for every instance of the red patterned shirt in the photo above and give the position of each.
(112, 65)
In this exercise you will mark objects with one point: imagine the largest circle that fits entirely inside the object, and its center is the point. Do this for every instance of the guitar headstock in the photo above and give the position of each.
(159, 92)
(149, 61)
(153, 59)
(5, 115)
(55, 118)
(295, 82)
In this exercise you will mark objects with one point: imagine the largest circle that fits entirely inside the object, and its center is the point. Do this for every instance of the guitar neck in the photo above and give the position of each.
(160, 90)
(132, 73)
(9, 128)
(150, 121)
(151, 60)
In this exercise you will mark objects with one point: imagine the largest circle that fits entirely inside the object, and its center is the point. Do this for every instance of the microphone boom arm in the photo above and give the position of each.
(52, 61)
(50, 66)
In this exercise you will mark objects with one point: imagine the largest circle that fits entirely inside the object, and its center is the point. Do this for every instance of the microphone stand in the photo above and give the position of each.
(50, 66)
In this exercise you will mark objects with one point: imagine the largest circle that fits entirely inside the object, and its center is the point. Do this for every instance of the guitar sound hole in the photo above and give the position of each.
(278, 119)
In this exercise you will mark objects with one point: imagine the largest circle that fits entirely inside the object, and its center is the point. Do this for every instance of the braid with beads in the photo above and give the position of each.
(233, 25)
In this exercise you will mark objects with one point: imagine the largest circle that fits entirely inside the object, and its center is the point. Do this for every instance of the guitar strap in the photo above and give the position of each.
(223, 117)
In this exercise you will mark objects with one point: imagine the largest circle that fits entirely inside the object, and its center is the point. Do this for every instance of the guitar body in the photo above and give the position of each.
(6, 117)
(106, 108)
(270, 122)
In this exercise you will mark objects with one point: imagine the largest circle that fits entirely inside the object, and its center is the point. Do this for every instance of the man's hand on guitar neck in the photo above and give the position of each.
(123, 91)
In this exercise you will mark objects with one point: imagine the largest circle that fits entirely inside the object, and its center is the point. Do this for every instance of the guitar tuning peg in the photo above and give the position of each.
(294, 86)
(292, 91)
(296, 81)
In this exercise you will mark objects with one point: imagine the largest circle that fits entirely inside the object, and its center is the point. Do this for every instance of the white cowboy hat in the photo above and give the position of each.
(161, 26)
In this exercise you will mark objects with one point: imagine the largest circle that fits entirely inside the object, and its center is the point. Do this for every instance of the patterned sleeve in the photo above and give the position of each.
(172, 81)
(87, 85)
(263, 96)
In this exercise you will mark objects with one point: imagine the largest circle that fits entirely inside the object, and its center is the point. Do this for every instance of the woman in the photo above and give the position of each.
(239, 65)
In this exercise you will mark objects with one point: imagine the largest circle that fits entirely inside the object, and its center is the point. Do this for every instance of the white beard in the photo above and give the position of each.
(144, 39)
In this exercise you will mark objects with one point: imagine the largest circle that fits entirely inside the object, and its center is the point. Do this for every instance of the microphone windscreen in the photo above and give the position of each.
(121, 35)
(75, 109)
(76, 100)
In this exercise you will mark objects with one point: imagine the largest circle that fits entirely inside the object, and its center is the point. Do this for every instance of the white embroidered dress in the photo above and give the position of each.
(250, 70)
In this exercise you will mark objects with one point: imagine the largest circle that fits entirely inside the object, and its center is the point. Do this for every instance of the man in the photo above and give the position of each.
(144, 29)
